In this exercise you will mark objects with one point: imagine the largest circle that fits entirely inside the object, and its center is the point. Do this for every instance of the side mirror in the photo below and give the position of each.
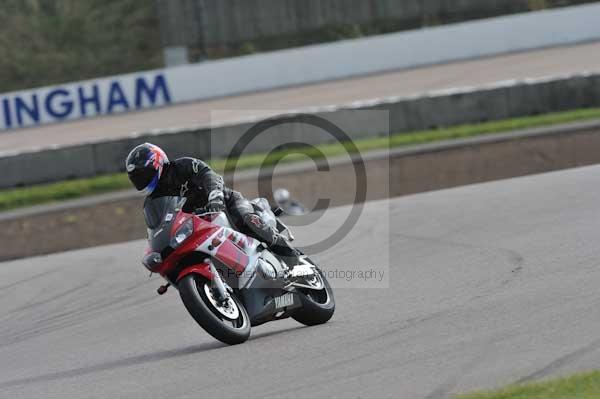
(152, 260)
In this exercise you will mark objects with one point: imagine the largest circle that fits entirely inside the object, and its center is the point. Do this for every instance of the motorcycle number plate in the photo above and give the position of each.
(284, 300)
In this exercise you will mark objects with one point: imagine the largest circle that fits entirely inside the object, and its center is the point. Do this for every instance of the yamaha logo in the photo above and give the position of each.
(284, 300)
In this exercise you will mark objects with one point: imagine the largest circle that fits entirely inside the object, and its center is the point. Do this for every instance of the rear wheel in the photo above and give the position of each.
(318, 306)
(228, 322)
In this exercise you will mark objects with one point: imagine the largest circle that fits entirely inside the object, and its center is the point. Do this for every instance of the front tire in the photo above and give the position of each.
(318, 306)
(231, 327)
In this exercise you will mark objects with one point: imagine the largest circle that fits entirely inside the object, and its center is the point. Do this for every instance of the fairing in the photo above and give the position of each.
(213, 244)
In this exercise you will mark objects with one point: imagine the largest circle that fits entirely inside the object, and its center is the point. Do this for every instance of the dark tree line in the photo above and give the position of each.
(46, 42)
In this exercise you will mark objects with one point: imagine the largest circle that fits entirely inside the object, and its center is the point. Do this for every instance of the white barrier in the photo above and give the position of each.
(299, 66)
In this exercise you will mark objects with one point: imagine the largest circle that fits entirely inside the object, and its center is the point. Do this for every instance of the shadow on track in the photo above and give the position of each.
(115, 364)
(133, 361)
(275, 332)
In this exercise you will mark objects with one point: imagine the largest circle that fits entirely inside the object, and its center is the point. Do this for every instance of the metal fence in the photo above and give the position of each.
(213, 27)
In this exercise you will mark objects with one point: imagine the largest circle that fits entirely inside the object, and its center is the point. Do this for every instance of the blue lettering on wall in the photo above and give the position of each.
(93, 99)
(7, 113)
(31, 110)
(151, 92)
(116, 97)
(66, 106)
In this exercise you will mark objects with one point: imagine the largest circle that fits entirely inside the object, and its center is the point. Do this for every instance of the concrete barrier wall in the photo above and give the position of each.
(299, 66)
(505, 100)
(393, 51)
(118, 217)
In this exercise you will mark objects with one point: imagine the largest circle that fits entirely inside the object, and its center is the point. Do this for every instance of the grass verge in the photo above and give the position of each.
(46, 193)
(580, 386)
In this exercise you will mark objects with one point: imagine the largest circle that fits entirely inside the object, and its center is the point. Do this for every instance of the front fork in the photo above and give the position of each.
(208, 271)
(218, 286)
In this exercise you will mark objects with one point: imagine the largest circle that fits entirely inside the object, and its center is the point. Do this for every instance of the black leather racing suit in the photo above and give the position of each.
(195, 180)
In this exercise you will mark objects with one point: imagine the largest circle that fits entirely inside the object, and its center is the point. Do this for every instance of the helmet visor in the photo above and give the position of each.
(142, 177)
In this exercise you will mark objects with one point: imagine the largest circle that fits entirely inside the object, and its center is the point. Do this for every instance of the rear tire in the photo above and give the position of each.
(318, 306)
(194, 297)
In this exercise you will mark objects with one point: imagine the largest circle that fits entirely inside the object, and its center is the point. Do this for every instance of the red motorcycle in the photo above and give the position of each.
(228, 281)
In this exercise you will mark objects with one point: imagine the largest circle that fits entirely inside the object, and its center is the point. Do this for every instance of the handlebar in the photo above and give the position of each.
(202, 212)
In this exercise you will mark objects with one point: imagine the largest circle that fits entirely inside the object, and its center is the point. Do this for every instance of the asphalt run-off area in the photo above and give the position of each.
(470, 73)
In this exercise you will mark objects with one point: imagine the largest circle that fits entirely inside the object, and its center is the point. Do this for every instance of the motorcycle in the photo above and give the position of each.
(228, 281)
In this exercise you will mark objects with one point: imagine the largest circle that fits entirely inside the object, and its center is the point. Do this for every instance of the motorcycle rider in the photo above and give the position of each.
(152, 174)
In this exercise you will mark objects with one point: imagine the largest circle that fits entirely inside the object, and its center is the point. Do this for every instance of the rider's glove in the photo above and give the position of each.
(215, 201)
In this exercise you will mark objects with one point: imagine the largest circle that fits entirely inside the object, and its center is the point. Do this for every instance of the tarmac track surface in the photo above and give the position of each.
(487, 284)
(531, 64)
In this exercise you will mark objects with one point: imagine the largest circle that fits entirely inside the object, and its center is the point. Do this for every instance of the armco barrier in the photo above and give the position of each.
(446, 108)
(303, 65)
(118, 217)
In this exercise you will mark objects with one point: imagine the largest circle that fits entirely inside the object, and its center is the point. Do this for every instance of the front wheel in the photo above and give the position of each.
(317, 305)
(228, 322)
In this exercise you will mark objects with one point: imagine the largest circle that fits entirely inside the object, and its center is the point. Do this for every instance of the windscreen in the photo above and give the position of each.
(157, 209)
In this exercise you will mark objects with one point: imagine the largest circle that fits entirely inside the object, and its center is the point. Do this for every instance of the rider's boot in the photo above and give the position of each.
(282, 248)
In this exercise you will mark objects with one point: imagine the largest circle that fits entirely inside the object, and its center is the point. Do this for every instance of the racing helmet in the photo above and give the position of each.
(144, 166)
